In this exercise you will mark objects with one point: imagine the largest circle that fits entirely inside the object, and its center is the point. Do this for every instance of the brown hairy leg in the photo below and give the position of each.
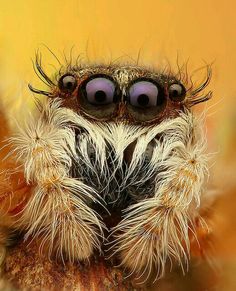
(13, 189)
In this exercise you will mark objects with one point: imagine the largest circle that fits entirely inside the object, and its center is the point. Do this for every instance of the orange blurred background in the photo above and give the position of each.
(103, 30)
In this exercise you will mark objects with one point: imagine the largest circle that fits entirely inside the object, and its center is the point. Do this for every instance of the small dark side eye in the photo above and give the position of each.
(177, 92)
(67, 83)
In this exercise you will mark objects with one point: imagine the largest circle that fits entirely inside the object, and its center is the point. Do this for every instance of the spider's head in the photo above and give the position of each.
(130, 94)
(126, 134)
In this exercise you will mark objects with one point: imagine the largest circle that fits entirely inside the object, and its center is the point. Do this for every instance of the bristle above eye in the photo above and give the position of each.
(204, 83)
(194, 97)
(37, 66)
(194, 100)
(40, 70)
(38, 91)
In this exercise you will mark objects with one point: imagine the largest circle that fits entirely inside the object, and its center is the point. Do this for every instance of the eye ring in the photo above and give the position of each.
(99, 90)
(145, 93)
(67, 83)
(177, 92)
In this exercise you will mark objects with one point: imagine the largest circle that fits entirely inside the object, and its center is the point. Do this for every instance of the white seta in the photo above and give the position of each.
(153, 230)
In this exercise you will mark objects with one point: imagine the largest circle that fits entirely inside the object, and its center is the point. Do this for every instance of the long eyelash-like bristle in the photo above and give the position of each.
(38, 65)
(38, 91)
(39, 71)
(195, 93)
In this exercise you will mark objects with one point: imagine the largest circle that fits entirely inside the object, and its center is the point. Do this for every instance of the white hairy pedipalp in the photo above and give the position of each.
(57, 209)
(156, 230)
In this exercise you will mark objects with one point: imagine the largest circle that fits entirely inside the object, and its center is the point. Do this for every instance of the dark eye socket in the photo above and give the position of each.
(67, 83)
(177, 92)
(99, 90)
(145, 93)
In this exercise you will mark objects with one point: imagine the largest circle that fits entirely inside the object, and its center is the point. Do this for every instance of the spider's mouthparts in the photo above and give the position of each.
(117, 177)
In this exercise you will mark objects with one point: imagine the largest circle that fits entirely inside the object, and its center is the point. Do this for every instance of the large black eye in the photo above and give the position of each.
(144, 94)
(177, 92)
(100, 91)
(67, 83)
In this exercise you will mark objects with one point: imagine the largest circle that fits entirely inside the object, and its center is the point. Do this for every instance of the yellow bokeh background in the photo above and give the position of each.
(198, 31)
(201, 31)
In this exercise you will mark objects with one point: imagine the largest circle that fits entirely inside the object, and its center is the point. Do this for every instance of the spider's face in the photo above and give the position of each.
(127, 94)
(121, 104)
(123, 138)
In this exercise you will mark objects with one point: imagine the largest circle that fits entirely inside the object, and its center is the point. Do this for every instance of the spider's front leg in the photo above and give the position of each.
(14, 193)
(157, 230)
(58, 211)
(14, 190)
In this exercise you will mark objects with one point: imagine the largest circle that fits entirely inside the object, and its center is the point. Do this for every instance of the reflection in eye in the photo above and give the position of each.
(177, 92)
(143, 94)
(100, 91)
